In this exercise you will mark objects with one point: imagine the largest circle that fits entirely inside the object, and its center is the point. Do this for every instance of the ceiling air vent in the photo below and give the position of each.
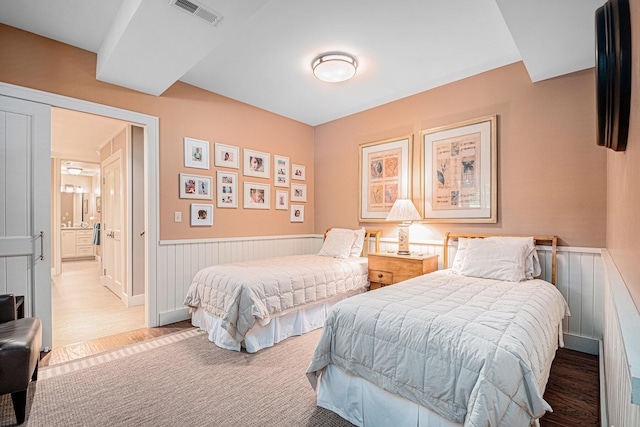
(198, 10)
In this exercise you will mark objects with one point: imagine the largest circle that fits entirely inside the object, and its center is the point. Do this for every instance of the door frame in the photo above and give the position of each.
(151, 179)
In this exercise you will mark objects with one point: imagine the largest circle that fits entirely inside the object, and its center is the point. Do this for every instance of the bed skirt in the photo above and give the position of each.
(280, 327)
(365, 404)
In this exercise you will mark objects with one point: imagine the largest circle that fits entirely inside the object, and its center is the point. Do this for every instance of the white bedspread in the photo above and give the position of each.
(472, 350)
(242, 294)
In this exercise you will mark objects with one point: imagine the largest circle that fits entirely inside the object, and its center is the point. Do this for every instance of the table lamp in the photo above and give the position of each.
(403, 211)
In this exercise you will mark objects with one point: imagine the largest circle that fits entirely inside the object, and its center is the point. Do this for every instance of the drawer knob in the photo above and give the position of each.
(379, 275)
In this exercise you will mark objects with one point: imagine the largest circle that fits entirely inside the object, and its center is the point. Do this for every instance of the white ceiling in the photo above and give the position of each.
(261, 51)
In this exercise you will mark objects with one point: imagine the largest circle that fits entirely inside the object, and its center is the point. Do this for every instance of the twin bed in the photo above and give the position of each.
(470, 345)
(256, 304)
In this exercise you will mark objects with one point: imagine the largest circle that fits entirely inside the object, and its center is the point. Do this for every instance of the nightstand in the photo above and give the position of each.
(389, 268)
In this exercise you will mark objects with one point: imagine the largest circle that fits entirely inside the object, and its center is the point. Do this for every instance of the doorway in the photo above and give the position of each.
(40, 300)
(84, 306)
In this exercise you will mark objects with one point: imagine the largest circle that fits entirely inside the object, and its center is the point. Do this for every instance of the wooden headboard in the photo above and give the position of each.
(552, 239)
(368, 234)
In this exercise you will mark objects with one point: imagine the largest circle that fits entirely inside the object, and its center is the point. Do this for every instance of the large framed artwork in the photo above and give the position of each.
(385, 175)
(459, 172)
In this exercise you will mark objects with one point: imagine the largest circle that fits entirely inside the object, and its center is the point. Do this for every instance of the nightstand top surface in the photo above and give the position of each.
(413, 255)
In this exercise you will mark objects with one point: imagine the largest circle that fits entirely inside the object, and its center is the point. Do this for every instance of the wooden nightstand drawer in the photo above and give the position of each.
(384, 277)
(389, 268)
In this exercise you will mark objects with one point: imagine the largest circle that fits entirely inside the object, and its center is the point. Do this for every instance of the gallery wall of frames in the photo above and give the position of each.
(243, 179)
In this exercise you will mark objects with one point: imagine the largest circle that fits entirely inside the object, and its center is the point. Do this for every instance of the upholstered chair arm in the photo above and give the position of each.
(7, 308)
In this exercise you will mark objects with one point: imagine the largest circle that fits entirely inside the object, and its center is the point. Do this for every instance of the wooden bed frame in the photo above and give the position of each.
(368, 234)
(536, 239)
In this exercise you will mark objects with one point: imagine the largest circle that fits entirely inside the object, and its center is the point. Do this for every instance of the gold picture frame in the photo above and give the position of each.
(458, 172)
(385, 175)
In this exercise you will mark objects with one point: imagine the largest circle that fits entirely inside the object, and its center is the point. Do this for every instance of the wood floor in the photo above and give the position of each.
(84, 309)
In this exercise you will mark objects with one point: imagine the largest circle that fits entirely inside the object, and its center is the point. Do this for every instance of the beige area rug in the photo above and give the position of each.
(179, 380)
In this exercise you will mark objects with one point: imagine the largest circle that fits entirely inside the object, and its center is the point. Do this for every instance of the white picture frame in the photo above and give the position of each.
(227, 189)
(201, 215)
(298, 172)
(282, 200)
(196, 153)
(226, 156)
(281, 171)
(256, 164)
(298, 192)
(297, 213)
(256, 195)
(195, 186)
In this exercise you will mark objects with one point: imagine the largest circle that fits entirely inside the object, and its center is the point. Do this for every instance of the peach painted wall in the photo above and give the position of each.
(551, 174)
(35, 62)
(623, 184)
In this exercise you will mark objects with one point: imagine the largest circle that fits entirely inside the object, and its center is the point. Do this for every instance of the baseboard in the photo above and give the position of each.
(135, 300)
(581, 344)
(173, 316)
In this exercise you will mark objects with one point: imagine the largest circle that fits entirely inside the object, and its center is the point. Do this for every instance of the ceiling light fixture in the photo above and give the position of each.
(334, 67)
(74, 170)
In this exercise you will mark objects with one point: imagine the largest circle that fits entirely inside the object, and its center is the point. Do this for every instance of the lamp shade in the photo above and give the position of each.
(403, 210)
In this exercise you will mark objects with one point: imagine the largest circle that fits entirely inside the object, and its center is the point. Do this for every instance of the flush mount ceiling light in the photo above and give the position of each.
(334, 67)
(74, 170)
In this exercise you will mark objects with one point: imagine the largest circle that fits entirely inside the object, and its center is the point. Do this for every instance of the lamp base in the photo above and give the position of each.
(403, 253)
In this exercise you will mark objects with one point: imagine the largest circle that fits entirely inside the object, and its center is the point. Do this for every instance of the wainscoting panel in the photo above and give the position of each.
(621, 346)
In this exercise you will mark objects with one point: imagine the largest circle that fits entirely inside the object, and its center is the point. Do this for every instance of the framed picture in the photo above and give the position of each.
(196, 153)
(227, 189)
(280, 171)
(282, 200)
(201, 215)
(385, 175)
(298, 192)
(226, 156)
(257, 196)
(459, 172)
(297, 213)
(256, 163)
(98, 204)
(195, 186)
(298, 172)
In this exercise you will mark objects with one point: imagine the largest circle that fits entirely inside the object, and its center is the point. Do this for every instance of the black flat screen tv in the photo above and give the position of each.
(613, 73)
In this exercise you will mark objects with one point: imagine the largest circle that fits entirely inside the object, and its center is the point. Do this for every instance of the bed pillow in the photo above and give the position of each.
(498, 259)
(358, 244)
(459, 256)
(338, 243)
(532, 267)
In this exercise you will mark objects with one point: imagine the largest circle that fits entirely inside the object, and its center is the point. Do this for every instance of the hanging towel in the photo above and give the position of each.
(96, 234)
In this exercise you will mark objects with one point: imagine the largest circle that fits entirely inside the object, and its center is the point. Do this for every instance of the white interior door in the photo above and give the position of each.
(25, 206)
(112, 220)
